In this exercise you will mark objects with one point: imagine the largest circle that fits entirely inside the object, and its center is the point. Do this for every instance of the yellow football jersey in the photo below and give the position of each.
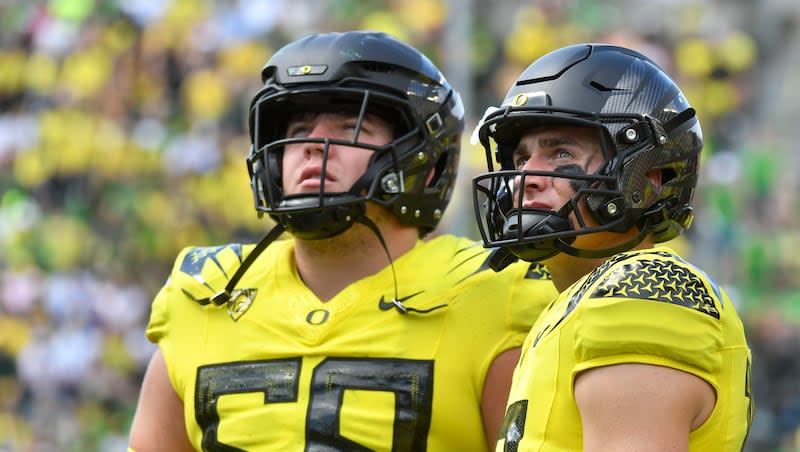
(278, 369)
(648, 307)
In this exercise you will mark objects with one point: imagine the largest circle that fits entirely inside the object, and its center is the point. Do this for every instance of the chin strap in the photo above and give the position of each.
(501, 258)
(229, 293)
(403, 309)
(605, 252)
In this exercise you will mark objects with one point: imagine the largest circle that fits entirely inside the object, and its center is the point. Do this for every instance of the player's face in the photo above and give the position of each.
(302, 162)
(560, 149)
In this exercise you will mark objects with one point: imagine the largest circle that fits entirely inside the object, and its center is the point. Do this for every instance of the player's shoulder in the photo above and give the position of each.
(455, 252)
(645, 303)
(192, 259)
(655, 274)
(452, 254)
(450, 245)
(662, 256)
(202, 271)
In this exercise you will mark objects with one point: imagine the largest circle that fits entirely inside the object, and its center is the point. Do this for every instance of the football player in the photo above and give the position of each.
(353, 334)
(597, 152)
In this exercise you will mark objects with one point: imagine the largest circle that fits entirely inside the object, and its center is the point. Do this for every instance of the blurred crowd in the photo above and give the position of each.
(122, 140)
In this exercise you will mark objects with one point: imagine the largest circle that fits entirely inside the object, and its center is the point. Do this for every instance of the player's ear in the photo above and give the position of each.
(654, 176)
(431, 173)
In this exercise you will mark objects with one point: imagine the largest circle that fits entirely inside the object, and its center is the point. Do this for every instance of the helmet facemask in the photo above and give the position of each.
(367, 72)
(396, 176)
(647, 131)
(325, 213)
(616, 197)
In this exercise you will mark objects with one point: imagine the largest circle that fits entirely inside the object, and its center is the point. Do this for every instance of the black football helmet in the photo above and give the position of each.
(644, 123)
(358, 72)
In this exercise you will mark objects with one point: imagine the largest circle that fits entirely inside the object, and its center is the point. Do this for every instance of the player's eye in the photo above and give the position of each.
(563, 154)
(298, 130)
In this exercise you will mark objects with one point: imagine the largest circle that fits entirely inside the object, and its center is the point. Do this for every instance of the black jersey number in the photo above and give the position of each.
(411, 381)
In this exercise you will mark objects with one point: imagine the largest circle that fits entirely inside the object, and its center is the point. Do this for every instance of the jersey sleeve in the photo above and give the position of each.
(510, 302)
(650, 310)
(179, 312)
(493, 312)
(197, 275)
(157, 327)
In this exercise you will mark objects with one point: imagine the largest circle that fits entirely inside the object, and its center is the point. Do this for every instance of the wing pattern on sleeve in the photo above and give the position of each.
(195, 259)
(204, 271)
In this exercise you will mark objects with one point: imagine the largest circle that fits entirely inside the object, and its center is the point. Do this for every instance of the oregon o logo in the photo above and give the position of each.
(520, 99)
(318, 316)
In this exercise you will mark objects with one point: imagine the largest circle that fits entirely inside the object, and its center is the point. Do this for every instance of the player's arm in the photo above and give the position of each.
(640, 407)
(158, 422)
(495, 392)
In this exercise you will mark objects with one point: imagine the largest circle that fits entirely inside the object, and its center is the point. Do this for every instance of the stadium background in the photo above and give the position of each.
(122, 140)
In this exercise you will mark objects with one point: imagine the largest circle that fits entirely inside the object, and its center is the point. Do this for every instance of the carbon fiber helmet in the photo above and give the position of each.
(359, 72)
(643, 123)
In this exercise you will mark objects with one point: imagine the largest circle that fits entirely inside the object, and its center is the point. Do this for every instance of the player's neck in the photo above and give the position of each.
(328, 266)
(566, 270)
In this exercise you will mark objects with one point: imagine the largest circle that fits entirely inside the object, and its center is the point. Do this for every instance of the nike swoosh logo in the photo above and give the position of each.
(384, 305)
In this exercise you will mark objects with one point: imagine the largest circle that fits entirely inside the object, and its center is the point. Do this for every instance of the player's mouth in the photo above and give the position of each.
(535, 205)
(311, 178)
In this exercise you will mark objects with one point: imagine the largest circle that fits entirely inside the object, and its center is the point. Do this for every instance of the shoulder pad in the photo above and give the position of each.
(202, 272)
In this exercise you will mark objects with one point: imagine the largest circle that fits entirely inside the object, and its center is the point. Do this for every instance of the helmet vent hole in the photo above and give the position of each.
(667, 175)
(439, 169)
(372, 66)
(268, 73)
(599, 87)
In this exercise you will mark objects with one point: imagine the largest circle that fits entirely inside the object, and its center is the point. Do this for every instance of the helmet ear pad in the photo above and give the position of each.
(275, 170)
(655, 181)
(633, 159)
